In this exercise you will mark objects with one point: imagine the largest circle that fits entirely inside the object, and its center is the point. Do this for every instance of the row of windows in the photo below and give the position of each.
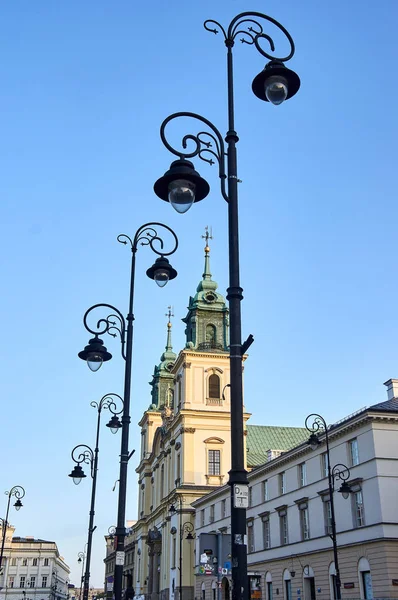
(23, 583)
(302, 471)
(26, 561)
(357, 514)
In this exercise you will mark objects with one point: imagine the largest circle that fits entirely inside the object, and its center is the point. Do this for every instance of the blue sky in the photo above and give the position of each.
(84, 88)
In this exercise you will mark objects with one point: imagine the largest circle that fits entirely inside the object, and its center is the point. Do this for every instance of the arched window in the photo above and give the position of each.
(214, 386)
(211, 334)
(268, 581)
(365, 578)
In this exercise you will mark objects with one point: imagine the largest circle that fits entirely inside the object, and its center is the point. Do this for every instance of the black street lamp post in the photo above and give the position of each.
(81, 558)
(181, 185)
(95, 354)
(338, 472)
(184, 528)
(84, 454)
(15, 492)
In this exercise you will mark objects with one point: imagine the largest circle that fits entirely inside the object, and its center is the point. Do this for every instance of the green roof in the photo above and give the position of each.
(261, 438)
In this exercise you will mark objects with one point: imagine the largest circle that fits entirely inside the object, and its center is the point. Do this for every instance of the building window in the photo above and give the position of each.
(250, 537)
(302, 472)
(14, 562)
(202, 517)
(269, 590)
(353, 449)
(178, 469)
(324, 464)
(174, 552)
(358, 509)
(214, 386)
(211, 335)
(282, 483)
(11, 582)
(22, 582)
(214, 462)
(250, 499)
(211, 513)
(46, 562)
(35, 562)
(327, 512)
(266, 532)
(44, 582)
(161, 485)
(283, 528)
(33, 582)
(24, 562)
(304, 524)
(223, 508)
(265, 490)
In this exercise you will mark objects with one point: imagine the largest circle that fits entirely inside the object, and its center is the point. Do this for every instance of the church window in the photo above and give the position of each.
(162, 482)
(211, 335)
(214, 462)
(178, 481)
(214, 386)
(170, 398)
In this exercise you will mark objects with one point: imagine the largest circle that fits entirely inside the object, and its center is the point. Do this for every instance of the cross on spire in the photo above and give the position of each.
(208, 236)
(169, 314)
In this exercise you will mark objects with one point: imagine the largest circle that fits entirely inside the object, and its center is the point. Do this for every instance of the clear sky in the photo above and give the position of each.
(84, 88)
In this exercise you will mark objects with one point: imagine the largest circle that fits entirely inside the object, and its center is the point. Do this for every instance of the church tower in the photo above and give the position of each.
(185, 443)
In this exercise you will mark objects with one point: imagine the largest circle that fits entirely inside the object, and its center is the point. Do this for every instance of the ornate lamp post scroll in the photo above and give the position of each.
(316, 425)
(95, 354)
(182, 185)
(15, 492)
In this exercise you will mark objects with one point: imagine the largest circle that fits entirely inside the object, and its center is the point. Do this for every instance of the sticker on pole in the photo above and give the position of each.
(119, 558)
(241, 496)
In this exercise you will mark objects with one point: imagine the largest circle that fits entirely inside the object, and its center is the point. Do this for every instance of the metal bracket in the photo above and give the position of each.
(130, 455)
(246, 345)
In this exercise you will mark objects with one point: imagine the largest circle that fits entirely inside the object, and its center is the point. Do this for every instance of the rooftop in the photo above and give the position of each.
(261, 438)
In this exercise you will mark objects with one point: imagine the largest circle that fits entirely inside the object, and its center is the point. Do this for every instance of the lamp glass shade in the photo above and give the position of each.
(79, 560)
(18, 504)
(181, 195)
(94, 361)
(161, 277)
(276, 89)
(189, 536)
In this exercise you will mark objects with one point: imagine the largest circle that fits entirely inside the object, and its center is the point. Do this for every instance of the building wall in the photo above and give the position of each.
(50, 565)
(374, 539)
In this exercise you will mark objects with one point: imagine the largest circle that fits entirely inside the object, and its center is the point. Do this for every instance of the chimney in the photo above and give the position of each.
(392, 388)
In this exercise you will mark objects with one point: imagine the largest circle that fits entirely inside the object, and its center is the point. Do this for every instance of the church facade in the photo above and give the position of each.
(186, 446)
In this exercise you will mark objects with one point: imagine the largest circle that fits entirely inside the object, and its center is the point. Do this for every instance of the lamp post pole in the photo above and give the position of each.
(17, 492)
(95, 354)
(181, 185)
(187, 528)
(339, 471)
(84, 454)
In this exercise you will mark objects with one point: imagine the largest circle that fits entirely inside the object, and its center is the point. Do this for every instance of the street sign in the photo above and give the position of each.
(241, 496)
(119, 558)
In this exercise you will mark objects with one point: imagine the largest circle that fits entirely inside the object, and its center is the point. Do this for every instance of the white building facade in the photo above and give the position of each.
(32, 569)
(290, 551)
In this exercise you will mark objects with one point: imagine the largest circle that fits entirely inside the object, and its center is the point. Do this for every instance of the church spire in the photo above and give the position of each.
(169, 346)
(208, 236)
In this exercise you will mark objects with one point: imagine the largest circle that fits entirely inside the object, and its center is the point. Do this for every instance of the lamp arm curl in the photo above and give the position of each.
(109, 402)
(318, 423)
(341, 472)
(83, 454)
(253, 34)
(205, 144)
(17, 491)
(107, 325)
